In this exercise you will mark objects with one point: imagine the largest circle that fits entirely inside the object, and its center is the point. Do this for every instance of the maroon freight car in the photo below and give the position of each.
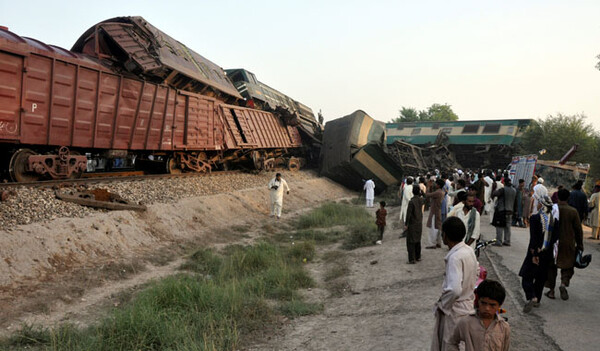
(57, 105)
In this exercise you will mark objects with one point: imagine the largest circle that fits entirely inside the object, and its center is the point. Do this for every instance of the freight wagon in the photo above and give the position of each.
(127, 91)
(354, 150)
(476, 144)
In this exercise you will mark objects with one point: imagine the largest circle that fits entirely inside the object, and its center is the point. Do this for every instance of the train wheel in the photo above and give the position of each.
(18, 167)
(293, 164)
(76, 175)
(173, 166)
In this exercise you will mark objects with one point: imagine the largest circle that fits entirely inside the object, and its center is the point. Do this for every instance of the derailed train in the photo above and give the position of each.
(353, 151)
(127, 91)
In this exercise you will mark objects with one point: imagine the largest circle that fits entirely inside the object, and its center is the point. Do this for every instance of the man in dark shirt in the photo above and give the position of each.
(579, 200)
(506, 204)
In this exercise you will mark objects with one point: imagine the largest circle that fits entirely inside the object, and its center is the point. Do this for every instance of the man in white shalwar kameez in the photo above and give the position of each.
(488, 205)
(277, 186)
(458, 296)
(407, 194)
(369, 188)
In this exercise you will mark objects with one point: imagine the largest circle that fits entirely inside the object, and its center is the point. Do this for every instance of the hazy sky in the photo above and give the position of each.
(488, 59)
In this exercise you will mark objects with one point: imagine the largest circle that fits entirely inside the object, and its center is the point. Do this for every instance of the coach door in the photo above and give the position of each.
(11, 74)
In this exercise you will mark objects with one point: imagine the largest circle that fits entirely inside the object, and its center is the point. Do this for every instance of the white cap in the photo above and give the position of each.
(540, 180)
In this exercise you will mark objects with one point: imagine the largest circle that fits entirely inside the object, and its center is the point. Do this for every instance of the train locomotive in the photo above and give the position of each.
(127, 91)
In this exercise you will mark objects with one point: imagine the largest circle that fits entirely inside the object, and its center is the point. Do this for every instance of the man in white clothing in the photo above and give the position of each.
(407, 194)
(457, 297)
(277, 186)
(488, 205)
(469, 216)
(369, 188)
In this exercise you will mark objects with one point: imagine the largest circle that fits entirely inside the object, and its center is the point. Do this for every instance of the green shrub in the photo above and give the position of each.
(360, 235)
(203, 261)
(331, 214)
(301, 250)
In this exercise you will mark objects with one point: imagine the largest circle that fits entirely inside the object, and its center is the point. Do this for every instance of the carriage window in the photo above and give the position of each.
(511, 130)
(447, 130)
(416, 131)
(435, 126)
(399, 126)
(470, 129)
(491, 128)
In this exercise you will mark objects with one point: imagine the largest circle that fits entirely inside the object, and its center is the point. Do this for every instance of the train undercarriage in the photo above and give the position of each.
(31, 163)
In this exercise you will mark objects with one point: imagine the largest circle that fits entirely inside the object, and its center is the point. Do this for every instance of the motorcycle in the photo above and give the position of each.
(480, 246)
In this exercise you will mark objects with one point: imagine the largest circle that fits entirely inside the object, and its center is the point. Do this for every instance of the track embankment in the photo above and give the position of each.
(54, 260)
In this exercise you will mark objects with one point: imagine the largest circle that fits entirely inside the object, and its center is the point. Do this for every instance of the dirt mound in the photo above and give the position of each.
(109, 245)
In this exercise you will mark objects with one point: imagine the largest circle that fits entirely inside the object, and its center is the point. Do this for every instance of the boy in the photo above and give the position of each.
(457, 299)
(380, 214)
(484, 330)
(414, 226)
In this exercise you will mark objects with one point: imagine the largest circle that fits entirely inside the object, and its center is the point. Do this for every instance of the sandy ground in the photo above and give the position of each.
(69, 268)
(73, 269)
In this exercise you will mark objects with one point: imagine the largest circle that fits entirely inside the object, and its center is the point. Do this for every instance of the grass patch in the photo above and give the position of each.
(317, 235)
(360, 235)
(298, 308)
(206, 311)
(332, 214)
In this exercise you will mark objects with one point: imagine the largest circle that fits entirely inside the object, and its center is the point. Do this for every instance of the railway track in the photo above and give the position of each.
(94, 178)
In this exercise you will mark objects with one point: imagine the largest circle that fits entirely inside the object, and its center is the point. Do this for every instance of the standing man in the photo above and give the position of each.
(579, 200)
(407, 194)
(276, 187)
(506, 204)
(479, 186)
(414, 226)
(369, 188)
(570, 240)
(518, 216)
(469, 216)
(457, 297)
(434, 220)
(460, 187)
(489, 202)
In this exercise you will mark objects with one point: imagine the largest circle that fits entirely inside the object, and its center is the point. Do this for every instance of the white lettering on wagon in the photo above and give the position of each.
(33, 107)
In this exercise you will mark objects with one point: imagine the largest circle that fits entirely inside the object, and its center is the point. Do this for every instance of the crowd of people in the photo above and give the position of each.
(466, 315)
(457, 201)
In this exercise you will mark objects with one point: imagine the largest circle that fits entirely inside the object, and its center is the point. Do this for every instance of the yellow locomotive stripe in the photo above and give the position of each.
(375, 168)
(365, 128)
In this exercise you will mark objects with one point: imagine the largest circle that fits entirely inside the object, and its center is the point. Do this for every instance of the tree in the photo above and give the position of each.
(435, 112)
(556, 135)
(409, 114)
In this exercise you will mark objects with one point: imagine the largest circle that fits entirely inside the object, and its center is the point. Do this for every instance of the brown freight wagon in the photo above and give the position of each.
(56, 105)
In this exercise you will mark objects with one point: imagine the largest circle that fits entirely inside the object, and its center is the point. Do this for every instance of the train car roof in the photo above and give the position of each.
(152, 52)
(519, 122)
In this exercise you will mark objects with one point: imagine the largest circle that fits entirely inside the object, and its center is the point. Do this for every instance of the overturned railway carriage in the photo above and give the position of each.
(476, 144)
(108, 100)
(353, 151)
(260, 95)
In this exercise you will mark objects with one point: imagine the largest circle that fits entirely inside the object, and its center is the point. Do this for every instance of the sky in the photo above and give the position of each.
(487, 59)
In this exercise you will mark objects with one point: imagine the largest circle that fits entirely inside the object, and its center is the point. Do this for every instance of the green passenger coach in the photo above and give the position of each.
(477, 144)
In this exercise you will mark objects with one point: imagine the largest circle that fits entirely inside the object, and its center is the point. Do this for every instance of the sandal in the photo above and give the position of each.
(550, 294)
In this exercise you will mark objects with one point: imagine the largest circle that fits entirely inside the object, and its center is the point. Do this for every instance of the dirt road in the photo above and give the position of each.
(389, 304)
